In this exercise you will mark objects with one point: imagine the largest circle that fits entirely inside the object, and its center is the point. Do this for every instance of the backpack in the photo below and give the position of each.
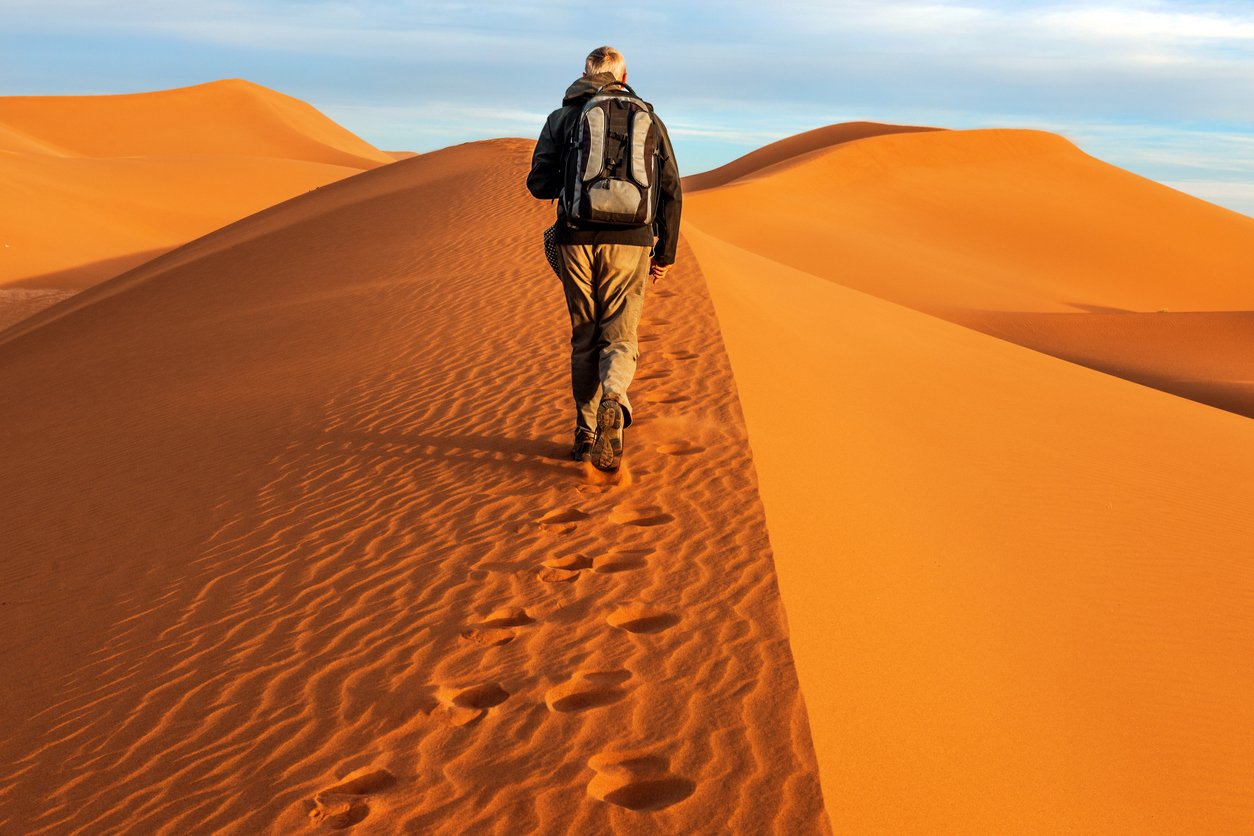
(610, 170)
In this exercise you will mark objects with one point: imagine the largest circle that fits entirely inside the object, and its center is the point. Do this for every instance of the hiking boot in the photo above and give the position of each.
(582, 451)
(607, 449)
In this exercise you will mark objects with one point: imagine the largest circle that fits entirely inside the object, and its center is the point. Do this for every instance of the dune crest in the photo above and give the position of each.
(791, 150)
(294, 540)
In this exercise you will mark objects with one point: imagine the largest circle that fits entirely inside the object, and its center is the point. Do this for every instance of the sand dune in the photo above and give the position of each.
(291, 541)
(232, 117)
(990, 228)
(1018, 587)
(996, 220)
(791, 150)
(100, 184)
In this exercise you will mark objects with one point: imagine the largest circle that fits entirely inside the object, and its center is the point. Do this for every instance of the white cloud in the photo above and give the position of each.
(1158, 23)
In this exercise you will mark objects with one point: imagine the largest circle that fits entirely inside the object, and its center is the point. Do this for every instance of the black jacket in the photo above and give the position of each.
(545, 180)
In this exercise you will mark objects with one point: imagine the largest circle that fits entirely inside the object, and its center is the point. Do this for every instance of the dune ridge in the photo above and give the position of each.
(100, 184)
(1019, 587)
(294, 543)
(791, 150)
(1012, 229)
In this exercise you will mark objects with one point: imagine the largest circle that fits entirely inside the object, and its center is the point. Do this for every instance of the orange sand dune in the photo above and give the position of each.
(990, 219)
(1019, 589)
(789, 149)
(290, 541)
(232, 117)
(96, 185)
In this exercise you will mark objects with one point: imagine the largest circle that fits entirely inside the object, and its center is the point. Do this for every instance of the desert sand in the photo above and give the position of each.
(936, 517)
(96, 185)
(292, 505)
(1019, 588)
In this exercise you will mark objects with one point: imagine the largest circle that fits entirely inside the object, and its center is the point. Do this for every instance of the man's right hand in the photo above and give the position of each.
(657, 271)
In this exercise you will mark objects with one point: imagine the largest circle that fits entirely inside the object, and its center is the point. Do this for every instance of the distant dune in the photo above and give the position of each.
(100, 184)
(1000, 230)
(1019, 588)
(791, 150)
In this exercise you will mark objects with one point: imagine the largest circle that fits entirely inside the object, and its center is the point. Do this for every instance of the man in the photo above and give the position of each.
(604, 265)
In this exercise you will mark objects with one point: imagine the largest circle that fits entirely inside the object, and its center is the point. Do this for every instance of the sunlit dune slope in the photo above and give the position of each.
(789, 149)
(232, 117)
(991, 219)
(990, 228)
(96, 185)
(291, 536)
(1018, 588)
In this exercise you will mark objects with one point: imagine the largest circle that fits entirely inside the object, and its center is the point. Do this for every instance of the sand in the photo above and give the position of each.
(96, 185)
(1018, 588)
(936, 516)
(293, 542)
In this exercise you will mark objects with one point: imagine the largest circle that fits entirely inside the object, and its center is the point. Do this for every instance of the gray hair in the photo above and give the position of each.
(605, 59)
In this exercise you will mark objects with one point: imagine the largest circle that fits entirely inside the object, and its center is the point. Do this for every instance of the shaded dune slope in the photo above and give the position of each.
(990, 228)
(1019, 587)
(100, 184)
(291, 537)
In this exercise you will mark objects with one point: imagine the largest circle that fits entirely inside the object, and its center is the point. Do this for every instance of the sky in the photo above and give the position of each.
(1163, 88)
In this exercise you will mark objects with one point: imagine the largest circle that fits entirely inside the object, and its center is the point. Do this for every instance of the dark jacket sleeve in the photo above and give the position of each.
(545, 179)
(670, 202)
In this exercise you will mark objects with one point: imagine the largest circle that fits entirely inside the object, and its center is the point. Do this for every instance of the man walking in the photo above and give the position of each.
(608, 158)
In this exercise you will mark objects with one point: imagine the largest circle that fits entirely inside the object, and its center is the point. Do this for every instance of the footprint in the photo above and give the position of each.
(570, 515)
(680, 449)
(508, 617)
(558, 575)
(467, 706)
(641, 618)
(646, 517)
(680, 355)
(665, 293)
(655, 374)
(647, 338)
(344, 804)
(625, 560)
(555, 522)
(563, 569)
(585, 690)
(570, 561)
(495, 630)
(637, 781)
(489, 638)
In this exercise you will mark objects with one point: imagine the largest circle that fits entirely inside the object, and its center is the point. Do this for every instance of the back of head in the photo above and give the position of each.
(606, 59)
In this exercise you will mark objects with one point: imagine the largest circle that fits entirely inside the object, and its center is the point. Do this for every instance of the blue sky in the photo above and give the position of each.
(1161, 87)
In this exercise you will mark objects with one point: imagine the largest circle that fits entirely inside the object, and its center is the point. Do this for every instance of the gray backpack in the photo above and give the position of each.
(610, 175)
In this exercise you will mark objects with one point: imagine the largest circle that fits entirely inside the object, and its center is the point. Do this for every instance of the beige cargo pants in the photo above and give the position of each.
(604, 286)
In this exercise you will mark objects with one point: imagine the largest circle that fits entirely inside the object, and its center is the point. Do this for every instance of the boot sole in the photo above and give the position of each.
(607, 450)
